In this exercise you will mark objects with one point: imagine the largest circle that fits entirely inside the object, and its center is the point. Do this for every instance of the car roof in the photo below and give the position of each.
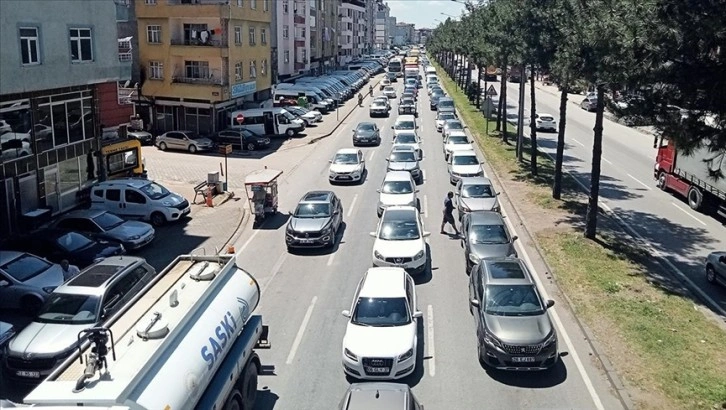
(400, 212)
(348, 151)
(405, 117)
(383, 282)
(397, 176)
(132, 182)
(376, 395)
(463, 153)
(365, 123)
(399, 147)
(453, 120)
(317, 196)
(506, 271)
(486, 218)
(475, 181)
(457, 133)
(95, 278)
(83, 213)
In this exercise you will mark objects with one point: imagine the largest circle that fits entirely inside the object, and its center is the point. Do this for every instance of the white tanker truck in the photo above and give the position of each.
(186, 343)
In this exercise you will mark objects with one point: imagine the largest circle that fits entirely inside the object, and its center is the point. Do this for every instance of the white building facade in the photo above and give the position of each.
(381, 24)
(351, 31)
(292, 20)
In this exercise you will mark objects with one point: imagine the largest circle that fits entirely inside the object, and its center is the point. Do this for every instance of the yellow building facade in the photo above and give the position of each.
(201, 59)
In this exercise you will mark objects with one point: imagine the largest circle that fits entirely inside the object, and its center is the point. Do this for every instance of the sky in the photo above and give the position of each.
(424, 13)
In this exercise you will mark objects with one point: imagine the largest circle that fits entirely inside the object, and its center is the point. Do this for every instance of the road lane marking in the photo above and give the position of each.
(639, 181)
(370, 157)
(685, 211)
(426, 206)
(430, 341)
(249, 240)
(352, 204)
(301, 331)
(606, 160)
(581, 144)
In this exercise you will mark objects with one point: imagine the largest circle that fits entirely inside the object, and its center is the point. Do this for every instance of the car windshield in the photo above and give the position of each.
(378, 104)
(70, 309)
(546, 118)
(346, 159)
(446, 104)
(312, 211)
(407, 101)
(454, 125)
(108, 221)
(366, 127)
(512, 300)
(397, 187)
(405, 125)
(399, 230)
(25, 267)
(388, 89)
(465, 160)
(381, 312)
(477, 191)
(488, 234)
(446, 116)
(287, 115)
(403, 156)
(73, 241)
(406, 139)
(155, 191)
(457, 139)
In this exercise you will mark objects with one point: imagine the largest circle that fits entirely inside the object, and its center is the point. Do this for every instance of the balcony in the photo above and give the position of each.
(125, 57)
(299, 66)
(211, 80)
(299, 42)
(195, 2)
(299, 19)
(211, 42)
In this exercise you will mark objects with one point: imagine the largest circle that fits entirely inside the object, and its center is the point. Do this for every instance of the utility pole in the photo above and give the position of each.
(520, 115)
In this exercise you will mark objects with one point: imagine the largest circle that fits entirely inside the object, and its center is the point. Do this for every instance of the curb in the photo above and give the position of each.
(241, 225)
(316, 139)
(612, 376)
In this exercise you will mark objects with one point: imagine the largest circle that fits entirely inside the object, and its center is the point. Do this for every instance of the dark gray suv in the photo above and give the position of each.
(514, 330)
(379, 396)
(315, 221)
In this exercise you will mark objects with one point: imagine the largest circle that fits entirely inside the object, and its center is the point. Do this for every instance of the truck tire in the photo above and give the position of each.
(234, 401)
(662, 182)
(695, 198)
(248, 386)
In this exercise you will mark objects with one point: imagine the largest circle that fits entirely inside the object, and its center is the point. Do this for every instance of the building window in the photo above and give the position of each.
(253, 69)
(238, 71)
(156, 70)
(238, 35)
(285, 6)
(263, 36)
(304, 56)
(252, 36)
(239, 3)
(81, 46)
(150, 2)
(285, 31)
(287, 56)
(153, 34)
(263, 67)
(266, 5)
(29, 45)
(253, 4)
(302, 31)
(196, 69)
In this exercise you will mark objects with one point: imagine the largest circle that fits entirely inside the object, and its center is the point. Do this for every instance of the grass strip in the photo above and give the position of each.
(657, 339)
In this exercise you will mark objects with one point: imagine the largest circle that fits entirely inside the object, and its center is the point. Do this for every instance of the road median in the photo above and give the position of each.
(660, 340)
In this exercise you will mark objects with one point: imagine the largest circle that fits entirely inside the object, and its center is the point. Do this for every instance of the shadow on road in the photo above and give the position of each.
(427, 274)
(531, 380)
(266, 399)
(273, 222)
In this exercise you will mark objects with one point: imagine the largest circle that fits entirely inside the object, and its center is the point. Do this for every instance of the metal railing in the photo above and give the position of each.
(198, 42)
(124, 57)
(201, 81)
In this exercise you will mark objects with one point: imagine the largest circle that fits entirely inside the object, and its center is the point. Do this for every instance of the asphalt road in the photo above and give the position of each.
(304, 294)
(664, 222)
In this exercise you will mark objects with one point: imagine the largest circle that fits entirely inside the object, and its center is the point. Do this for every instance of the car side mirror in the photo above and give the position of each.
(514, 238)
(289, 213)
(378, 190)
(392, 127)
(417, 314)
(4, 283)
(474, 302)
(426, 234)
(417, 191)
(550, 303)
(330, 161)
(346, 313)
(373, 234)
(498, 193)
(336, 212)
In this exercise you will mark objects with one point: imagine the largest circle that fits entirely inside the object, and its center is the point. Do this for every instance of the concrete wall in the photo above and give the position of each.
(54, 18)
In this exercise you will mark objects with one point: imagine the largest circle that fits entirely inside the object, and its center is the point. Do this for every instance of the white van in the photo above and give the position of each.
(430, 70)
(267, 121)
(292, 91)
(137, 198)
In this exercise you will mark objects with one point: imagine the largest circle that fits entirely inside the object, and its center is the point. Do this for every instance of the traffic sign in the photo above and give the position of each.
(240, 118)
(491, 91)
(225, 149)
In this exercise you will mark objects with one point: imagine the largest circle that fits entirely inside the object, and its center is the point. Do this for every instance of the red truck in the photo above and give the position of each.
(699, 177)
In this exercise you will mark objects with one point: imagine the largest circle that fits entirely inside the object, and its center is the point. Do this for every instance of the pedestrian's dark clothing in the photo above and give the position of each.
(448, 211)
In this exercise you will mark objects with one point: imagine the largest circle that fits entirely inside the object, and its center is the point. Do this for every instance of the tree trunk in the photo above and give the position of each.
(478, 84)
(503, 103)
(532, 123)
(557, 185)
(592, 209)
(468, 73)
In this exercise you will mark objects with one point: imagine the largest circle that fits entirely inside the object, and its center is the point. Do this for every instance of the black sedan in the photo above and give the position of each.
(242, 139)
(366, 133)
(58, 244)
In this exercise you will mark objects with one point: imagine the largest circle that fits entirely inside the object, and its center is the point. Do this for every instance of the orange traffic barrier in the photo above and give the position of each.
(230, 249)
(210, 202)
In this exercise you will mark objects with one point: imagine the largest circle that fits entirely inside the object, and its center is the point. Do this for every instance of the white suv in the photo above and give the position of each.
(398, 188)
(380, 340)
(400, 240)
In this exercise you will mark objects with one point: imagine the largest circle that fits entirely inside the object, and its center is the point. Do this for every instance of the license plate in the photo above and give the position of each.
(306, 241)
(527, 359)
(23, 373)
(343, 177)
(378, 370)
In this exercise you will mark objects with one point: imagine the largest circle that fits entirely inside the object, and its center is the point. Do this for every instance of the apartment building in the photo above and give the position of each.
(201, 60)
(292, 35)
(403, 34)
(381, 40)
(391, 28)
(352, 30)
(55, 60)
(323, 40)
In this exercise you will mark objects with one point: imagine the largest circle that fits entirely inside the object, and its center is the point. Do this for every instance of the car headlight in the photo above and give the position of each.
(289, 229)
(496, 208)
(406, 356)
(49, 289)
(134, 237)
(465, 208)
(332, 174)
(552, 338)
(412, 203)
(490, 339)
(473, 258)
(419, 255)
(326, 231)
(480, 173)
(350, 355)
(378, 255)
(167, 203)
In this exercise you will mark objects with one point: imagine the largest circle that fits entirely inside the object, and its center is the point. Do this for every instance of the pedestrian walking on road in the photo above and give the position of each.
(449, 214)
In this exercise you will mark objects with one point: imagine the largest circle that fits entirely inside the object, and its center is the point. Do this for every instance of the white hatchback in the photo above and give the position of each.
(400, 240)
(380, 339)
